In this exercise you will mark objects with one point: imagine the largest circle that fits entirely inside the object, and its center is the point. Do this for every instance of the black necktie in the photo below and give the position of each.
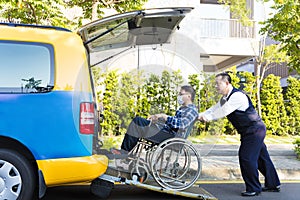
(223, 101)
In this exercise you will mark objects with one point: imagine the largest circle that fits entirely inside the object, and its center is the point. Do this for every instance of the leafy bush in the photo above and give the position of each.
(293, 105)
(297, 147)
(273, 109)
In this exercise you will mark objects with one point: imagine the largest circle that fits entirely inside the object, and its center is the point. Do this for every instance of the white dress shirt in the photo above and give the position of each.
(237, 101)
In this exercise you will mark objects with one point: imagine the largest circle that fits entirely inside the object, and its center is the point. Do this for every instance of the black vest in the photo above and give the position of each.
(244, 121)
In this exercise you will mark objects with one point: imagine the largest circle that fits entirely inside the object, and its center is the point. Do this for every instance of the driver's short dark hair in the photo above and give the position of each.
(190, 90)
(225, 76)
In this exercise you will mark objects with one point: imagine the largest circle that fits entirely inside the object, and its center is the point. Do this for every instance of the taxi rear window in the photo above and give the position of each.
(26, 67)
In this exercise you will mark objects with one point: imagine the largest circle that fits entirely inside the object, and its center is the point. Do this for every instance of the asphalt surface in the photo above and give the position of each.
(222, 191)
(219, 164)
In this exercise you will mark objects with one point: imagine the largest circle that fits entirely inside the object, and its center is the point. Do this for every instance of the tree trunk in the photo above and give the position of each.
(258, 82)
(94, 10)
(261, 69)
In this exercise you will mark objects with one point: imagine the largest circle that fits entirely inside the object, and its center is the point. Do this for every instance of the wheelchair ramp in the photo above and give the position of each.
(121, 177)
(195, 192)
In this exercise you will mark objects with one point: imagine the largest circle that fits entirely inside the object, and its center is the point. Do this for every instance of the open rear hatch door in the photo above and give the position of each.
(143, 27)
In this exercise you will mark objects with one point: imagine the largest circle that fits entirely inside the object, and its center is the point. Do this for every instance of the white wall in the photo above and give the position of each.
(184, 54)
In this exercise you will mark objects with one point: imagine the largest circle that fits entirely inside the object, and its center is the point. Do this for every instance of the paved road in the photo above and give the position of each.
(223, 191)
(220, 162)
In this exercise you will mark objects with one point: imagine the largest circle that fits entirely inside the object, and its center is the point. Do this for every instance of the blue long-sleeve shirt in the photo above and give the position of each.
(184, 117)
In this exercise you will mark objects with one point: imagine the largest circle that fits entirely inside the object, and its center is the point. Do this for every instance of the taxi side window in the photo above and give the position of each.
(26, 67)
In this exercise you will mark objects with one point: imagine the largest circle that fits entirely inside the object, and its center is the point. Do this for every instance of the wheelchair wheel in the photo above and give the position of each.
(176, 164)
(140, 170)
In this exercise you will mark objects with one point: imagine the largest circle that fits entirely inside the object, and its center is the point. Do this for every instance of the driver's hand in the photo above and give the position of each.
(202, 118)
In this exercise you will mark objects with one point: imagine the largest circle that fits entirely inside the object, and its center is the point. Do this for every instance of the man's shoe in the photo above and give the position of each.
(271, 189)
(249, 194)
(118, 154)
(118, 151)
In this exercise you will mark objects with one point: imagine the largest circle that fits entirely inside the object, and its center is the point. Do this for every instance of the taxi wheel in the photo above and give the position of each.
(16, 176)
(101, 188)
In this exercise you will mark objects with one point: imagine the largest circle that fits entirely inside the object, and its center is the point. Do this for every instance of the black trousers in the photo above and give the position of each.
(143, 128)
(254, 156)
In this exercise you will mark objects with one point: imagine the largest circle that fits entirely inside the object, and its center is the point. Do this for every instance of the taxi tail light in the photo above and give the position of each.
(87, 118)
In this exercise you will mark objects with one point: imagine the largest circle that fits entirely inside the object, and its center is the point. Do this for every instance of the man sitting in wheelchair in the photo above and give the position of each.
(160, 127)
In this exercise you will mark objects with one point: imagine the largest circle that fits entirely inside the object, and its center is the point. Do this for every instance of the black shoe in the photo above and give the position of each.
(249, 194)
(271, 189)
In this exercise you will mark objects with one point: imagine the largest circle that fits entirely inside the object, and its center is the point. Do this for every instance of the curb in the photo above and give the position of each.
(227, 168)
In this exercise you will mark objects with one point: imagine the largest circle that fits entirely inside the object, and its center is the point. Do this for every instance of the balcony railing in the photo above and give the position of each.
(225, 28)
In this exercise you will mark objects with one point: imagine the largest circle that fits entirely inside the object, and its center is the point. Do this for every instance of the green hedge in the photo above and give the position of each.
(125, 95)
(297, 147)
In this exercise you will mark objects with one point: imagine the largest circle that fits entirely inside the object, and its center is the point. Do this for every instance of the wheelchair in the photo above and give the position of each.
(174, 164)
